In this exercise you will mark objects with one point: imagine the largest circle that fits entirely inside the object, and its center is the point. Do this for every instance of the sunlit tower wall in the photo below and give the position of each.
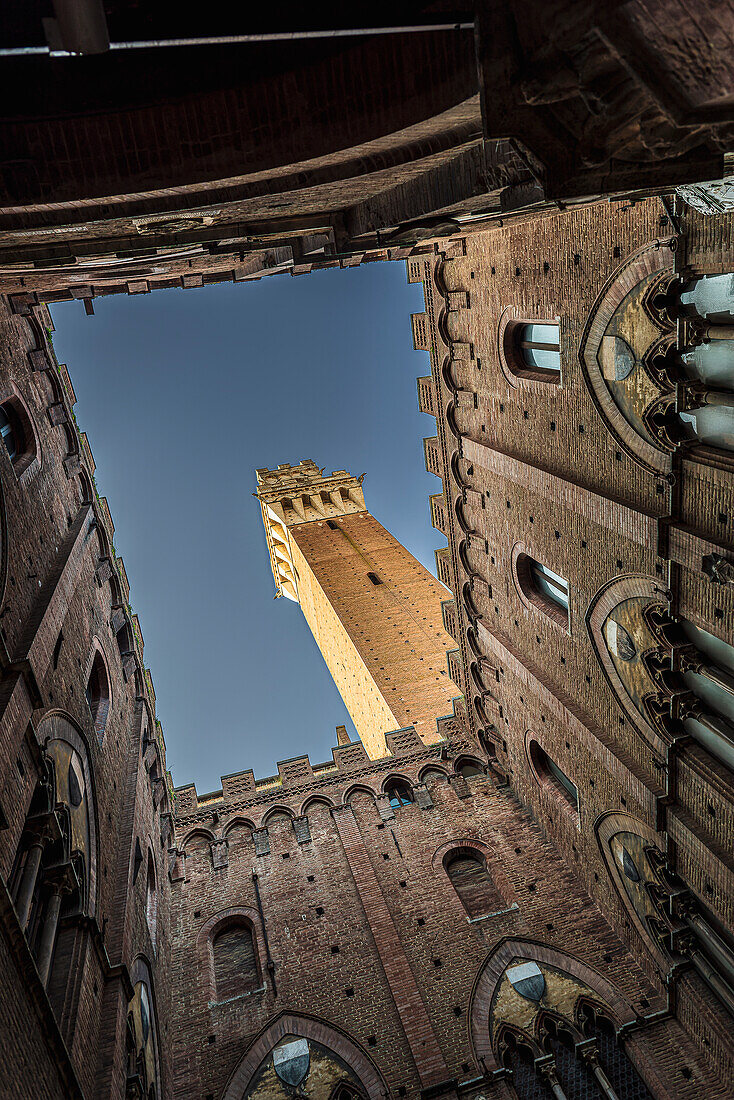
(373, 609)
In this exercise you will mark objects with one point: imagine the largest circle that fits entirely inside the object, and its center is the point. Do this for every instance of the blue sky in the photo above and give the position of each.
(183, 394)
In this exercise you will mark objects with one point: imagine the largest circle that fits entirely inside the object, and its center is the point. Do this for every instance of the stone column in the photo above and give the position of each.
(48, 934)
(589, 1053)
(546, 1068)
(27, 886)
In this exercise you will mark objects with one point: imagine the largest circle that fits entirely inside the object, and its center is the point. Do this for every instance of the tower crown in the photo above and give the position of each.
(292, 495)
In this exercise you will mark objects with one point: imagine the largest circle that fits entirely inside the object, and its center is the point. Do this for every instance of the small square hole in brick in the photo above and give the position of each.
(212, 1039)
(402, 1091)
(465, 1067)
(552, 425)
(550, 926)
(421, 921)
(349, 992)
(319, 910)
(438, 963)
(385, 855)
(371, 1041)
(309, 878)
(618, 456)
(197, 914)
(531, 887)
(403, 883)
(335, 949)
(546, 266)
(607, 958)
(723, 518)
(719, 613)
(457, 1010)
(286, 855)
(382, 823)
(644, 1002)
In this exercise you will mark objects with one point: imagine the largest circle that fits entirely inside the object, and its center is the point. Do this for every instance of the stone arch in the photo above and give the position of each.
(316, 800)
(277, 811)
(198, 831)
(492, 972)
(238, 823)
(358, 788)
(654, 258)
(430, 769)
(306, 1027)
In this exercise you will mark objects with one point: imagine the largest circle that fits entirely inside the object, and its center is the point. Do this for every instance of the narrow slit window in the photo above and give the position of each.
(374, 578)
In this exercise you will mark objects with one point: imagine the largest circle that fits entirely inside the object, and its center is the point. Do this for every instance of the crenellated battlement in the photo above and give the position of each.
(297, 779)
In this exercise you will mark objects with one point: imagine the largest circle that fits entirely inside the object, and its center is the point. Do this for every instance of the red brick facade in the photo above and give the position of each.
(531, 903)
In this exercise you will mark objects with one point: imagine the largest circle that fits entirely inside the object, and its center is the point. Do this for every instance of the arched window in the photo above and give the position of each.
(543, 588)
(399, 793)
(467, 871)
(151, 899)
(98, 694)
(533, 350)
(432, 775)
(551, 776)
(235, 961)
(467, 768)
(17, 434)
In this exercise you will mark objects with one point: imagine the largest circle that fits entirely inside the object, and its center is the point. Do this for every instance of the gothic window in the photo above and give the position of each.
(532, 350)
(543, 588)
(658, 359)
(552, 777)
(50, 880)
(555, 1036)
(17, 434)
(468, 874)
(98, 694)
(650, 658)
(235, 961)
(671, 917)
(399, 793)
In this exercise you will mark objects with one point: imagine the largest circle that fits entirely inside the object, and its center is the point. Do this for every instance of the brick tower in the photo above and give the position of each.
(374, 610)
